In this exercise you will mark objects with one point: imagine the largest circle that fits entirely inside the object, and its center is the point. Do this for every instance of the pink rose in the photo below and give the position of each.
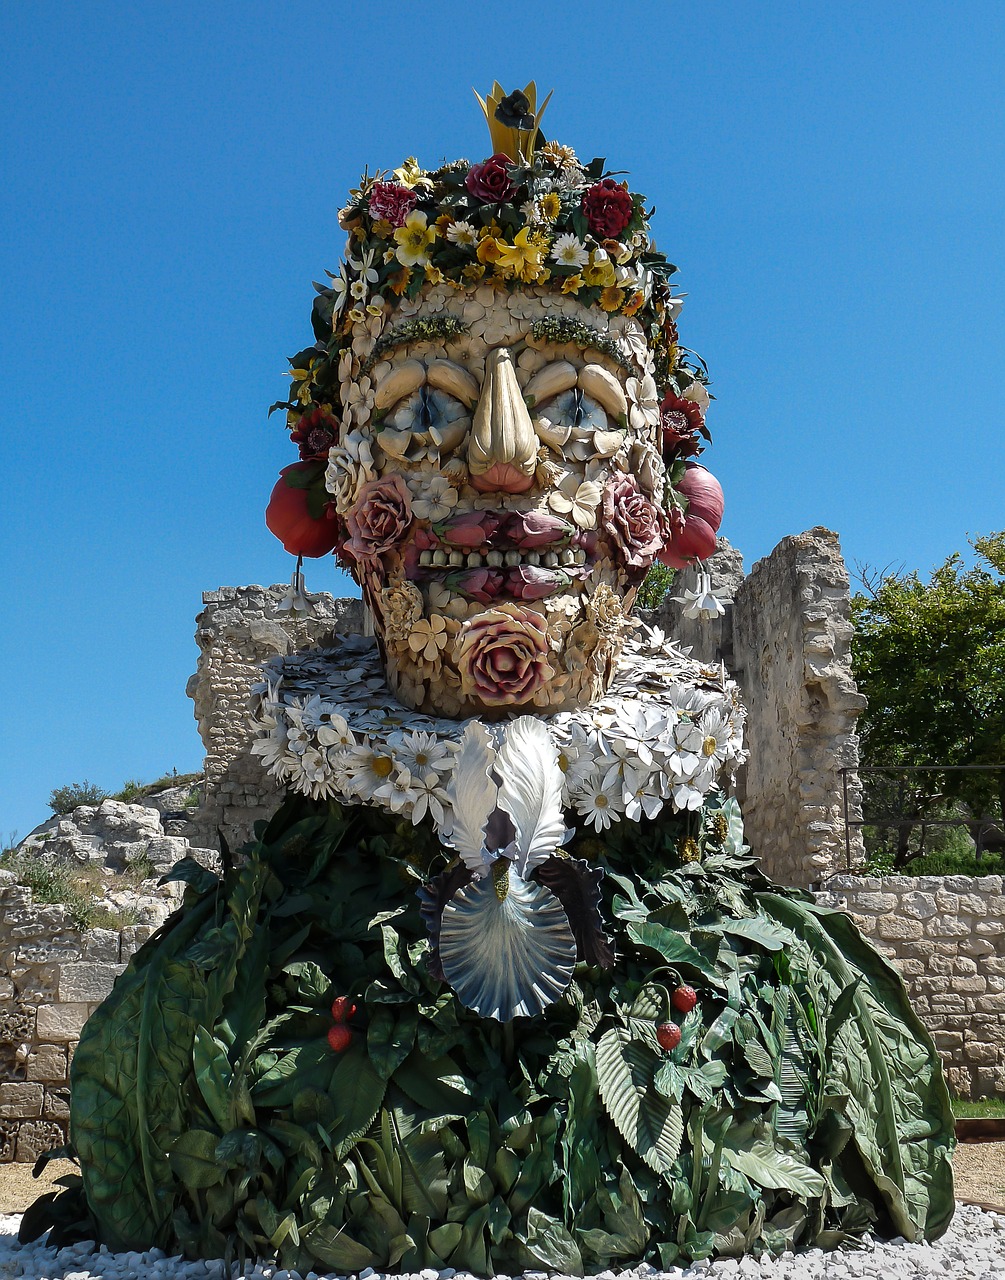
(391, 203)
(636, 524)
(528, 530)
(490, 181)
(381, 517)
(502, 656)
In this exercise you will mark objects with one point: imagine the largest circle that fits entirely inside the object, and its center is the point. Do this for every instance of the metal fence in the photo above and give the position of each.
(908, 808)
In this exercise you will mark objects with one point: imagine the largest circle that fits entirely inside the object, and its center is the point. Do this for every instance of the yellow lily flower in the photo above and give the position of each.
(414, 240)
(523, 258)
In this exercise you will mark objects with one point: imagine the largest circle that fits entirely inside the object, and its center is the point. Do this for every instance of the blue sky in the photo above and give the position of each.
(827, 177)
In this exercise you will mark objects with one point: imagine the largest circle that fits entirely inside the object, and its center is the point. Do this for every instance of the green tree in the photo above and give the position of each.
(930, 657)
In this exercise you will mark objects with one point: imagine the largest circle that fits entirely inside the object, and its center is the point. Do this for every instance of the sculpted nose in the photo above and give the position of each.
(502, 451)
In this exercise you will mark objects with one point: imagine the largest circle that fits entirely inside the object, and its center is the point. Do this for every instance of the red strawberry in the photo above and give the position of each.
(339, 1037)
(343, 1009)
(668, 1034)
(684, 999)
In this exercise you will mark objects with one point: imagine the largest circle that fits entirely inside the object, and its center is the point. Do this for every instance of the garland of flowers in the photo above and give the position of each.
(329, 728)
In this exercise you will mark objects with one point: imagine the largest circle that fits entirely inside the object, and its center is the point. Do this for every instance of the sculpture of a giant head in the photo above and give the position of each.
(494, 422)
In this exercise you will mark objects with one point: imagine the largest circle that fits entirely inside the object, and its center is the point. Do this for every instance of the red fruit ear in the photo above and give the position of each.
(288, 518)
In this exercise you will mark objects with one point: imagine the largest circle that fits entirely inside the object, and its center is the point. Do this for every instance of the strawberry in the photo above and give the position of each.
(343, 1009)
(339, 1037)
(668, 1034)
(684, 999)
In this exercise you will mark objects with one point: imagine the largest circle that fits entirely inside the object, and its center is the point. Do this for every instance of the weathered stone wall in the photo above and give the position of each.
(239, 629)
(946, 935)
(51, 977)
(791, 632)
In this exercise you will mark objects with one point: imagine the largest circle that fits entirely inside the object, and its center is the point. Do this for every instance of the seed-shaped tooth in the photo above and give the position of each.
(425, 557)
(456, 558)
(580, 556)
(474, 560)
(532, 557)
(512, 558)
(439, 557)
(551, 559)
(568, 556)
(494, 559)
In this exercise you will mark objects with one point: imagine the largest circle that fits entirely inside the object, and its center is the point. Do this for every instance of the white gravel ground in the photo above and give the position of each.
(972, 1249)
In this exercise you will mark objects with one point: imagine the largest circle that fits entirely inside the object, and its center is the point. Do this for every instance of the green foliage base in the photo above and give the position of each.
(803, 1105)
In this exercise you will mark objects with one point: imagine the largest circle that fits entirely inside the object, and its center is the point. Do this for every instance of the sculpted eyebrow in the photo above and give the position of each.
(425, 329)
(563, 329)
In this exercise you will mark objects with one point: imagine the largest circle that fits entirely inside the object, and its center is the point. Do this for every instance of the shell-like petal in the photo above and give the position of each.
(473, 796)
(506, 959)
(531, 791)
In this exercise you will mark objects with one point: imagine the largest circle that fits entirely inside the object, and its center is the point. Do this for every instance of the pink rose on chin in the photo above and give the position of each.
(637, 525)
(380, 519)
(490, 181)
(391, 203)
(502, 655)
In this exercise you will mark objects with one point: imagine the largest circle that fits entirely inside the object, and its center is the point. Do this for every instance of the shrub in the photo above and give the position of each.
(655, 586)
(66, 799)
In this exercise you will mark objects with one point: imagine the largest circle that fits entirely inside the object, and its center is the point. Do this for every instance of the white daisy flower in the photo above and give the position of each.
(569, 251)
(462, 233)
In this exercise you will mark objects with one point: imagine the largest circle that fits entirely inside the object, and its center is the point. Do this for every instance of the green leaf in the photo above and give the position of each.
(389, 1039)
(650, 1124)
(213, 1076)
(336, 1249)
(193, 1159)
(357, 1091)
(673, 948)
(548, 1243)
(769, 1166)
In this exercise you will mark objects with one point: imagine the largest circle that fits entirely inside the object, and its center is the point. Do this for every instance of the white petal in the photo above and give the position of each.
(531, 791)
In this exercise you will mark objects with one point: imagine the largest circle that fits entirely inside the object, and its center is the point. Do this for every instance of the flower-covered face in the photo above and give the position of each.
(500, 477)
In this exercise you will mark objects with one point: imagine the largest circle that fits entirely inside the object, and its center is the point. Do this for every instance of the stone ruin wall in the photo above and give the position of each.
(52, 976)
(946, 937)
(785, 638)
(239, 629)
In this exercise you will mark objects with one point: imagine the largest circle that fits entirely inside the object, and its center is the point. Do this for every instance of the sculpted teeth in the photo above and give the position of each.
(497, 559)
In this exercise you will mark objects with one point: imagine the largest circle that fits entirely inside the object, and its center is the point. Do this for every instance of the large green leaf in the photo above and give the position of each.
(193, 1158)
(650, 1123)
(357, 1091)
(769, 1166)
(673, 948)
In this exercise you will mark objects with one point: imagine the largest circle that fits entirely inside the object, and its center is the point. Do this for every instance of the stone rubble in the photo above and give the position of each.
(972, 1249)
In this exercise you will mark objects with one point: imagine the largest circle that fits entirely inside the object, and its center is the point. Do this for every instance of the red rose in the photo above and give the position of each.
(391, 203)
(637, 525)
(288, 518)
(490, 181)
(608, 208)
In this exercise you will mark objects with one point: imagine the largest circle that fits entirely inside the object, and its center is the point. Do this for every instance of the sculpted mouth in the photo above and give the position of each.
(569, 557)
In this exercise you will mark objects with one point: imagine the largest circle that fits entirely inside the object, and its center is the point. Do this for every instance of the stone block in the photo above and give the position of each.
(898, 928)
(102, 945)
(56, 1105)
(48, 1064)
(920, 905)
(87, 981)
(36, 1137)
(61, 1022)
(20, 1101)
(985, 1055)
(133, 937)
(989, 928)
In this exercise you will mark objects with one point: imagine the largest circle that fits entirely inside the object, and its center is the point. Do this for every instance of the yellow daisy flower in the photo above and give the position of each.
(611, 298)
(550, 206)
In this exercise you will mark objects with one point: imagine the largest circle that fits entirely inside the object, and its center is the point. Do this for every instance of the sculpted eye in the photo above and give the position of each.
(433, 414)
(576, 426)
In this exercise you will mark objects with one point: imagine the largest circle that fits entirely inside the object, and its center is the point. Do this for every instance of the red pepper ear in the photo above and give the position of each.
(288, 518)
(704, 495)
